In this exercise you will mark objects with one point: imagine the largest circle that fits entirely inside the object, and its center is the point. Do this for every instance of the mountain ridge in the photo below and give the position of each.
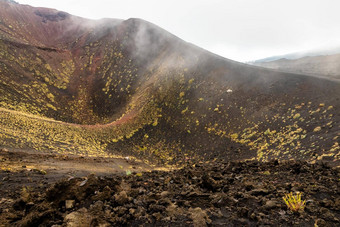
(127, 87)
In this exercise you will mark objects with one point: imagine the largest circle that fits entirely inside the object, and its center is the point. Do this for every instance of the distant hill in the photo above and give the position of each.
(129, 88)
(297, 55)
(324, 65)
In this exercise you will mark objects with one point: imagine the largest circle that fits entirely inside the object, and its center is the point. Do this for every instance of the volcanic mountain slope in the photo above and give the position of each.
(324, 65)
(114, 87)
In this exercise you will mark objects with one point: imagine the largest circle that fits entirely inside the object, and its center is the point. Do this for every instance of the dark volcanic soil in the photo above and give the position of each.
(24, 170)
(209, 194)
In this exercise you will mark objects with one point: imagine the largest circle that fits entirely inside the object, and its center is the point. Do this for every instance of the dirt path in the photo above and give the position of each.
(28, 170)
(50, 164)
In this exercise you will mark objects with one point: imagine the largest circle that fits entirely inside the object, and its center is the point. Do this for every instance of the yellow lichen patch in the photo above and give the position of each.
(297, 115)
(317, 129)
(234, 136)
(155, 123)
(185, 110)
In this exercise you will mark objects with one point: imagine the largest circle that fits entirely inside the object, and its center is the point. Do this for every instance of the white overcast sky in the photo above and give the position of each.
(241, 30)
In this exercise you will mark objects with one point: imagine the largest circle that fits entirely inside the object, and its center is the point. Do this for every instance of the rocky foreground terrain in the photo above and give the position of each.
(203, 194)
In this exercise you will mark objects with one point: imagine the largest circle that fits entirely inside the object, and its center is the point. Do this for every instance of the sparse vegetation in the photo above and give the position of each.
(294, 202)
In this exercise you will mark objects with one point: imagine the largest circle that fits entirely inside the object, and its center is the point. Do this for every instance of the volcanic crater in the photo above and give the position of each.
(125, 98)
(129, 87)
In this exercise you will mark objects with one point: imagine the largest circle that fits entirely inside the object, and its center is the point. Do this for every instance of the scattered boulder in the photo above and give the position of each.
(271, 204)
(78, 218)
(199, 217)
(259, 191)
(69, 204)
(121, 198)
(164, 194)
